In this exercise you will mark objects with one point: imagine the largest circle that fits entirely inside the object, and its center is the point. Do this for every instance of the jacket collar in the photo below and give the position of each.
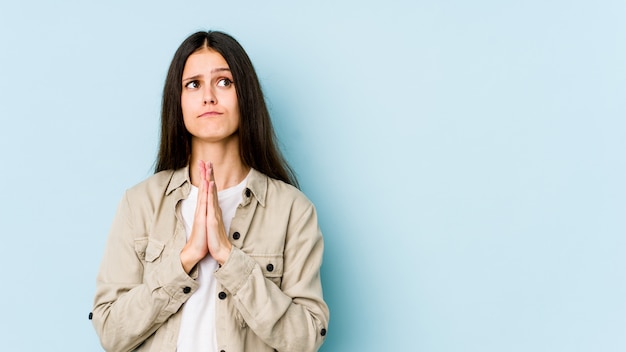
(179, 178)
(257, 184)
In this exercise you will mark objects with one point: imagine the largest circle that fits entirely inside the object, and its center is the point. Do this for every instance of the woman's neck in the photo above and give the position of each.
(228, 168)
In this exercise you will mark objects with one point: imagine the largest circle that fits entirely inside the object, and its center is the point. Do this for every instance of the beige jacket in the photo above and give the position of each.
(270, 294)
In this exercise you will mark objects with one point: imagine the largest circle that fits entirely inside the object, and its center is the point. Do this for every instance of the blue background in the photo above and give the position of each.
(466, 159)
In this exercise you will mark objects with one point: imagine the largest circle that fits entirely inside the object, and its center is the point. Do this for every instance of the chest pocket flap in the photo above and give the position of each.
(271, 265)
(148, 249)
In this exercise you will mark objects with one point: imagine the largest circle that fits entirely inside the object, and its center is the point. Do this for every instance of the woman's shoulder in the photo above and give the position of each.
(280, 191)
(157, 184)
(158, 180)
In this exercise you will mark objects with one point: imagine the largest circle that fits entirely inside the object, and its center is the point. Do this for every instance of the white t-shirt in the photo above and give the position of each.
(197, 328)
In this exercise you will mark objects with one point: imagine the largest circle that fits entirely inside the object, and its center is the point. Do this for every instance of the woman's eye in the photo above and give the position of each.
(192, 84)
(224, 82)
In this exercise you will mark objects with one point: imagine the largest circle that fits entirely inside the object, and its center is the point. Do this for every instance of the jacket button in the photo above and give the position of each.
(90, 315)
(323, 332)
(248, 193)
(222, 295)
(236, 236)
(270, 267)
(186, 289)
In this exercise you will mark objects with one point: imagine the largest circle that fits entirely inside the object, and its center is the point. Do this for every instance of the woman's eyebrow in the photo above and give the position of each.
(220, 69)
(215, 70)
(192, 77)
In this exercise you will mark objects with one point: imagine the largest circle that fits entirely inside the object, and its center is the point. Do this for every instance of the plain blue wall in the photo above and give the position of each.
(467, 159)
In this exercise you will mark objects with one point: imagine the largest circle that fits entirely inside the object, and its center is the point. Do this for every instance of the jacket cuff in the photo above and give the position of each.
(235, 271)
(175, 282)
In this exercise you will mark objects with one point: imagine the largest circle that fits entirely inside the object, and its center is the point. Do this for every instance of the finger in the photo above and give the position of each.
(201, 205)
(211, 192)
(214, 212)
(202, 170)
(211, 174)
(209, 170)
(211, 188)
(213, 200)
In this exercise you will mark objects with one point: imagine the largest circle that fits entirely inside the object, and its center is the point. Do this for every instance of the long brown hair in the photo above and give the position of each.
(257, 140)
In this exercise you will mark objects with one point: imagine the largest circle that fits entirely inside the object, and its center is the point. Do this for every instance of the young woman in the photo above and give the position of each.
(218, 250)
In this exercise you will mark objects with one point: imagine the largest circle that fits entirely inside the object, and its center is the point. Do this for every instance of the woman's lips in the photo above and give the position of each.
(210, 114)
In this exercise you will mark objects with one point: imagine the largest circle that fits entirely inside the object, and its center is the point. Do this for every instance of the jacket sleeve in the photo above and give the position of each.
(131, 303)
(293, 317)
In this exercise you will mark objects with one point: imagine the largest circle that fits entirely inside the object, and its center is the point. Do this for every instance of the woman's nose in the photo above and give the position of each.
(209, 96)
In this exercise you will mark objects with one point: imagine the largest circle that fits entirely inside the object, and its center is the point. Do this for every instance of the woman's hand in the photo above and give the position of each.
(208, 235)
(219, 245)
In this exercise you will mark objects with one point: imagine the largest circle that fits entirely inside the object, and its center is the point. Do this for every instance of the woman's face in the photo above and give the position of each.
(208, 98)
